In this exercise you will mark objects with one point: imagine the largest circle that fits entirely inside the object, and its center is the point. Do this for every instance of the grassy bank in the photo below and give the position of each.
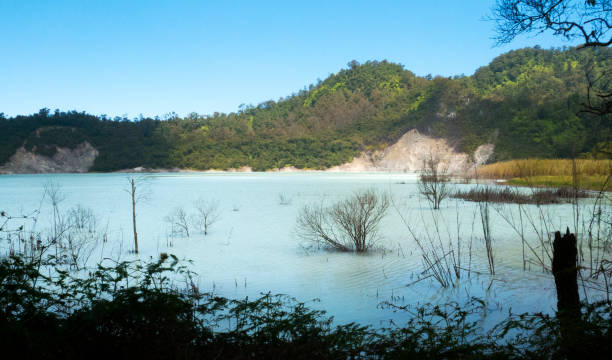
(590, 174)
(596, 182)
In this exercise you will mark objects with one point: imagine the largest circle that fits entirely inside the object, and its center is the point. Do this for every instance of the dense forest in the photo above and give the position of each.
(527, 102)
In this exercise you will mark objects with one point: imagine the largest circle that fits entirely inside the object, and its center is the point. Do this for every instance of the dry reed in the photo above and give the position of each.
(545, 167)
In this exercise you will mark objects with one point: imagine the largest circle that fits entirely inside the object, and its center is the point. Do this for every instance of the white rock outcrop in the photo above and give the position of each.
(408, 153)
(65, 160)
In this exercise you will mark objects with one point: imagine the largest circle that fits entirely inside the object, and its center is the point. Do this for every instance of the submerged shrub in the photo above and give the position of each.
(350, 224)
(511, 195)
(434, 181)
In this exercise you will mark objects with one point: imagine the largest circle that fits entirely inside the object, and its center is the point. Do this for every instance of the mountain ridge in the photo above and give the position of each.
(526, 102)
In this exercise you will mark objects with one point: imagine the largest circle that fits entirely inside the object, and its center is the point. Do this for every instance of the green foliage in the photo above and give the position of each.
(138, 310)
(527, 101)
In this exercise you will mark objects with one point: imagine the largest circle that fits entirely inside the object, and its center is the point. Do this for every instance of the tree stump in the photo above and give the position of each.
(565, 271)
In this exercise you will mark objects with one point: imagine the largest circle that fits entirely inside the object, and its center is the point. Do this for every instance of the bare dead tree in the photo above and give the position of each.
(76, 229)
(314, 224)
(53, 192)
(82, 218)
(178, 219)
(207, 213)
(283, 199)
(139, 190)
(599, 92)
(434, 181)
(351, 224)
(360, 215)
(590, 20)
(83, 235)
(13, 231)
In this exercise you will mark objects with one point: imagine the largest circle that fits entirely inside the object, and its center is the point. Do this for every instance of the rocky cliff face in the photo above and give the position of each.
(408, 153)
(77, 160)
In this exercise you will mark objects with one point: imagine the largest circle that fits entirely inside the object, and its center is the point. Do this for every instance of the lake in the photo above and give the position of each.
(254, 248)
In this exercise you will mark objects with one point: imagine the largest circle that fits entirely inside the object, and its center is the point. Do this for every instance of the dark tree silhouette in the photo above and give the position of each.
(590, 21)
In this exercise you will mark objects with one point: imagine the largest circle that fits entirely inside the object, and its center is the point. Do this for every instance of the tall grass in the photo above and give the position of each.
(594, 182)
(545, 167)
(445, 253)
(592, 225)
(483, 206)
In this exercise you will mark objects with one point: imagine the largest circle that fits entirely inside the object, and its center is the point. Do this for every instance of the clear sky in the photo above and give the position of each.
(151, 57)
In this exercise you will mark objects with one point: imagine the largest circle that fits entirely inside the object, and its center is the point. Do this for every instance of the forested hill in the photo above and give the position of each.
(527, 102)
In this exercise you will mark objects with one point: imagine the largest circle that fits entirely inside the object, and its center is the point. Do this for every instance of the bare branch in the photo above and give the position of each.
(351, 224)
(434, 180)
(588, 21)
(179, 221)
(207, 213)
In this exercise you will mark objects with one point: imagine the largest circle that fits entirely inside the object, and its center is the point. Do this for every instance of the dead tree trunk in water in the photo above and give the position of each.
(133, 194)
(565, 271)
(139, 190)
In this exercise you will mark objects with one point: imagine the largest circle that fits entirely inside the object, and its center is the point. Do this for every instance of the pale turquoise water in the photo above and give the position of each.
(255, 249)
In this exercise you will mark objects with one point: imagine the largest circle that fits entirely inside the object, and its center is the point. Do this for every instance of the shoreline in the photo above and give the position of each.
(217, 171)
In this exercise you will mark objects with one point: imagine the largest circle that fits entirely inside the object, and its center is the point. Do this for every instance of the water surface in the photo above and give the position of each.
(253, 248)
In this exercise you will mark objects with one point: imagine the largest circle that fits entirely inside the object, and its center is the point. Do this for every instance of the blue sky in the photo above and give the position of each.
(153, 57)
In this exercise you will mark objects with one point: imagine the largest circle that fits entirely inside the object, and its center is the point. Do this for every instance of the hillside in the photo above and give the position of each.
(526, 102)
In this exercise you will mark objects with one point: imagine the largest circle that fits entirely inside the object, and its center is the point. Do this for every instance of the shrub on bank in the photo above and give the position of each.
(137, 310)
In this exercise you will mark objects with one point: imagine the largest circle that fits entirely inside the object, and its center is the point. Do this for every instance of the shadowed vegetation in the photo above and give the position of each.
(138, 310)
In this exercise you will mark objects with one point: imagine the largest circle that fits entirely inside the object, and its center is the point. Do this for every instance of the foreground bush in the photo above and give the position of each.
(137, 311)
